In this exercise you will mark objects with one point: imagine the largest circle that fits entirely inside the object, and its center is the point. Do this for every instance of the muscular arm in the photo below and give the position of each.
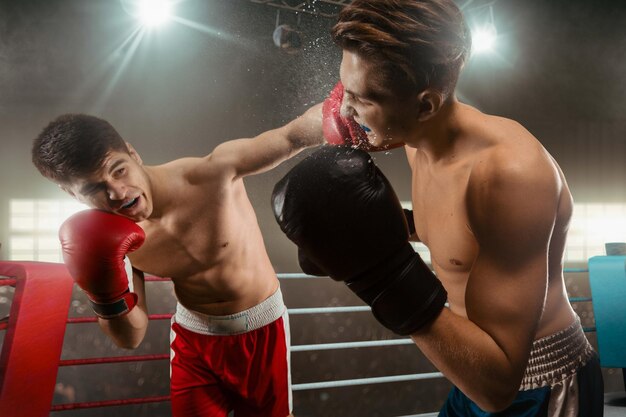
(511, 209)
(129, 330)
(242, 157)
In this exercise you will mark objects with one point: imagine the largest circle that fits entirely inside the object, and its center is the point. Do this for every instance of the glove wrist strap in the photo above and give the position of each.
(117, 308)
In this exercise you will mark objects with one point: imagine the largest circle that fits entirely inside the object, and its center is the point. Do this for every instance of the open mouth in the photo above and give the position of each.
(130, 204)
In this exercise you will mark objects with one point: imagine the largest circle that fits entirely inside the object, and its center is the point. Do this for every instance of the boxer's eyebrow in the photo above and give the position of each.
(371, 93)
(116, 164)
(365, 96)
(92, 187)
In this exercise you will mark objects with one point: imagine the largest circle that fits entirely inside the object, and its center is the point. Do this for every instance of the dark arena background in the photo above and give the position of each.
(226, 69)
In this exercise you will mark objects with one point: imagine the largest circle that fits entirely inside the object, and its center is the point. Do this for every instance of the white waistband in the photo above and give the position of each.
(262, 314)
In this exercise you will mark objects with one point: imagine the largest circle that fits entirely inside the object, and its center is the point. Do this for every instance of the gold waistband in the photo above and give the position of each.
(555, 357)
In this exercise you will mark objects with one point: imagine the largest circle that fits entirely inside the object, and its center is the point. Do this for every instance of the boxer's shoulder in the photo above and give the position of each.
(189, 171)
(508, 162)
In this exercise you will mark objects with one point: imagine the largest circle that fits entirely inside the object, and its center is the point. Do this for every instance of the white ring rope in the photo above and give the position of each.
(323, 310)
(366, 381)
(297, 275)
(351, 345)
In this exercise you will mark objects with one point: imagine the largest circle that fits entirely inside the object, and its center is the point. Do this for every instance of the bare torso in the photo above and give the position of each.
(439, 196)
(206, 239)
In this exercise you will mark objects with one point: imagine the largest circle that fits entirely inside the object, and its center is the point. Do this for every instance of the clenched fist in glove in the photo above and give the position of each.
(345, 218)
(95, 244)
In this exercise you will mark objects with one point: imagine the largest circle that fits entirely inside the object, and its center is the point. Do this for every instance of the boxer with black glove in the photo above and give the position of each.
(345, 218)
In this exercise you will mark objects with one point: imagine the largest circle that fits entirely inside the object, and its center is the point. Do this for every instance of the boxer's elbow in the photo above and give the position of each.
(129, 340)
(129, 344)
(496, 404)
(495, 399)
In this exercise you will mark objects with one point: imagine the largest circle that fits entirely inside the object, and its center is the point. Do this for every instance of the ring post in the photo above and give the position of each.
(34, 337)
(607, 278)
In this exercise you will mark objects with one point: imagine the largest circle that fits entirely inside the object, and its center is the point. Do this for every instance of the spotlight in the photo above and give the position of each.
(150, 13)
(153, 13)
(484, 33)
(286, 37)
(484, 39)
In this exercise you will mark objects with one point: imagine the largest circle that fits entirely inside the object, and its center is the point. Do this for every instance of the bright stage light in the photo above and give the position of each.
(484, 39)
(153, 13)
(150, 13)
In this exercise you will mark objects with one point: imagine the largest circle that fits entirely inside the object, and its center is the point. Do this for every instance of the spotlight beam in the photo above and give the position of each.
(212, 32)
(136, 37)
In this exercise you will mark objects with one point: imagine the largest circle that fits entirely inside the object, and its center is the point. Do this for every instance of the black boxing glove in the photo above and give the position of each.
(410, 221)
(346, 219)
(308, 266)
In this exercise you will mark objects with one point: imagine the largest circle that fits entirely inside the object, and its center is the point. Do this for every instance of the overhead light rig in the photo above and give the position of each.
(322, 8)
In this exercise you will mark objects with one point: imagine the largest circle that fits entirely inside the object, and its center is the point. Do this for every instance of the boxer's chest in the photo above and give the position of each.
(183, 244)
(441, 221)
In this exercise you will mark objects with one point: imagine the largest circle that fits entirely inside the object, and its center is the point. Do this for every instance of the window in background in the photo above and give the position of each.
(34, 226)
(593, 225)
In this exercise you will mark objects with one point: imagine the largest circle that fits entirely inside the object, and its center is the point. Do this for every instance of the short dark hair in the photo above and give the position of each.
(74, 145)
(416, 43)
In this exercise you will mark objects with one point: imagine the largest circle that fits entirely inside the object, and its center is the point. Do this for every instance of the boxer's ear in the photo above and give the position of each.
(429, 103)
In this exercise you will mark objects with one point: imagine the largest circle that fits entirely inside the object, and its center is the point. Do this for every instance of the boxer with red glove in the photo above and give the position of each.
(341, 130)
(347, 221)
(95, 244)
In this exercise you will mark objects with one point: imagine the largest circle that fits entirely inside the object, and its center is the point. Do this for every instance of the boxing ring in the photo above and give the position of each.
(36, 326)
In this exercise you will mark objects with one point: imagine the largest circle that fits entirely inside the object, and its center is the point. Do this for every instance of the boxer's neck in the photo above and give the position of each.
(437, 137)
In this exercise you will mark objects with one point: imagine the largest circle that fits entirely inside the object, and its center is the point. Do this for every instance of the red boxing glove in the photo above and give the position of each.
(340, 130)
(94, 245)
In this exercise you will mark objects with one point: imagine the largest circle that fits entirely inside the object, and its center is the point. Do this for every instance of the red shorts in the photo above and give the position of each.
(238, 362)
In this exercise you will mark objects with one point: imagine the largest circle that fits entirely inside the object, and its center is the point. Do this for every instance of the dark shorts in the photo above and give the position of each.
(238, 362)
(563, 379)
